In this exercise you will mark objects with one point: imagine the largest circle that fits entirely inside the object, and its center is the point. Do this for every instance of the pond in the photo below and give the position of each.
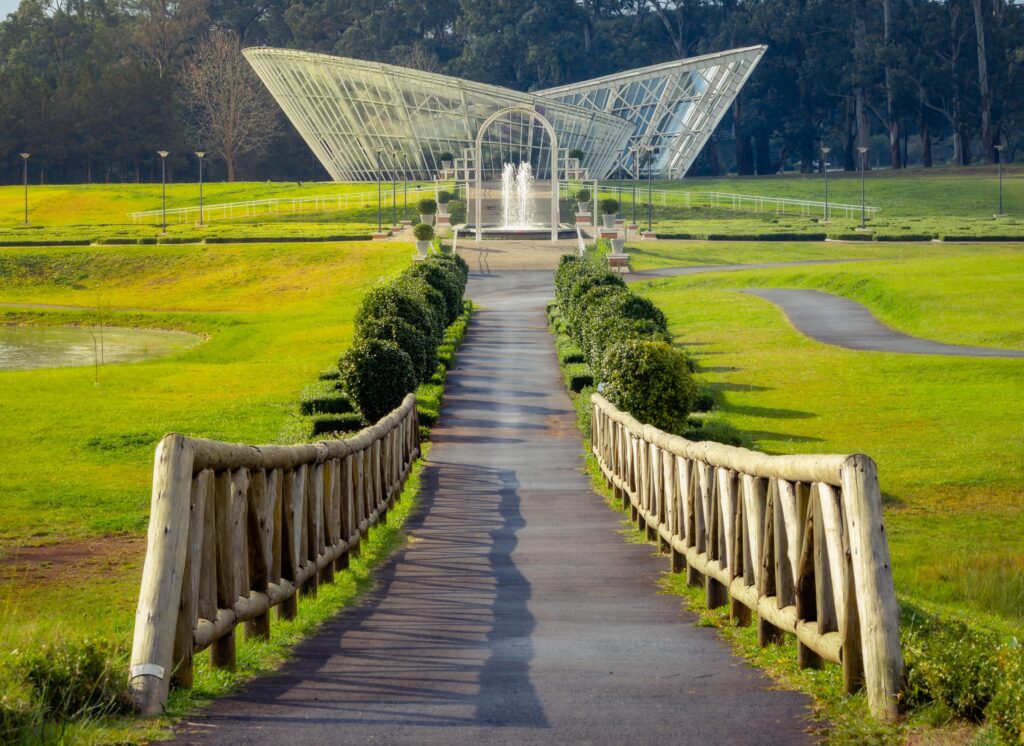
(29, 347)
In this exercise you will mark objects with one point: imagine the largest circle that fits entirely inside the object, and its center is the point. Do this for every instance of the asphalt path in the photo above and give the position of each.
(845, 323)
(517, 613)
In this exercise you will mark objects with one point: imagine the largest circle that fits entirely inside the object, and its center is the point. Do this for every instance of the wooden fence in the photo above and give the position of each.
(798, 539)
(235, 530)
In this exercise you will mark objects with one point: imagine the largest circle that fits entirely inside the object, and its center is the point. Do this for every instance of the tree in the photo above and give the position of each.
(164, 27)
(231, 111)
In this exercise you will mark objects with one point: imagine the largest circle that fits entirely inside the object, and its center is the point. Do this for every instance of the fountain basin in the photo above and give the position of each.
(34, 347)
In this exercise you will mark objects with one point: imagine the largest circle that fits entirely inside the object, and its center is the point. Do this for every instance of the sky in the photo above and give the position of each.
(8, 6)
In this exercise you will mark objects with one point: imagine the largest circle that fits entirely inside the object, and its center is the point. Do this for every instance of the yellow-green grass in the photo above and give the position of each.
(945, 431)
(77, 456)
(104, 204)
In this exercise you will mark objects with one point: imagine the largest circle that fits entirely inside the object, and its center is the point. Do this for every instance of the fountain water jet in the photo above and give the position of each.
(516, 205)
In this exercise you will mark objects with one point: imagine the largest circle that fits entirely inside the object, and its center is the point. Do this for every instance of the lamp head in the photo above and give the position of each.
(825, 150)
(1000, 148)
(862, 150)
(163, 153)
(200, 154)
(25, 155)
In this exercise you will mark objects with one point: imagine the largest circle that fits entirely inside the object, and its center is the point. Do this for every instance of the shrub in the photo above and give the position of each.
(1006, 710)
(346, 422)
(583, 195)
(75, 679)
(421, 350)
(377, 376)
(446, 156)
(651, 381)
(324, 397)
(577, 303)
(405, 298)
(609, 207)
(577, 376)
(577, 154)
(331, 374)
(443, 197)
(445, 279)
(426, 206)
(616, 331)
(423, 231)
(584, 411)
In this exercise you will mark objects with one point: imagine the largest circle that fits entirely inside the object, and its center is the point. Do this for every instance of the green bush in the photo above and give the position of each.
(377, 375)
(443, 197)
(446, 156)
(1006, 710)
(583, 195)
(651, 381)
(406, 298)
(616, 331)
(577, 376)
(609, 206)
(577, 154)
(584, 410)
(346, 422)
(75, 679)
(567, 351)
(444, 278)
(331, 374)
(324, 397)
(412, 341)
(426, 206)
(423, 231)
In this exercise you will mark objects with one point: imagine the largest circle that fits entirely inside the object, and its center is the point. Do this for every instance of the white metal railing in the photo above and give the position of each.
(289, 205)
(731, 201)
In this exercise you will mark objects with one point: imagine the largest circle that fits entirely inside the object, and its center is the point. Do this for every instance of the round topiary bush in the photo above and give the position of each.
(577, 154)
(651, 381)
(377, 375)
(405, 298)
(583, 195)
(609, 206)
(426, 206)
(445, 278)
(446, 156)
(412, 341)
(443, 197)
(613, 330)
(423, 231)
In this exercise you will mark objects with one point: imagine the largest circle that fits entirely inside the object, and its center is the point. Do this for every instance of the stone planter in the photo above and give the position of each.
(428, 219)
(582, 206)
(447, 165)
(442, 208)
(422, 247)
(608, 220)
(618, 244)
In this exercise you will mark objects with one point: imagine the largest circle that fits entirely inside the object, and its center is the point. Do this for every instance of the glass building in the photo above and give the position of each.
(363, 118)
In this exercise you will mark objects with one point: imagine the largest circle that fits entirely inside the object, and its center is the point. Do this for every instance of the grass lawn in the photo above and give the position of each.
(77, 457)
(946, 432)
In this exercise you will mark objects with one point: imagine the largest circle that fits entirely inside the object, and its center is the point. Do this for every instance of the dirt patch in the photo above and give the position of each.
(70, 560)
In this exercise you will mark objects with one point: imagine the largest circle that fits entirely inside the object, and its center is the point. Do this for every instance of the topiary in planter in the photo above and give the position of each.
(577, 154)
(426, 206)
(423, 231)
(446, 156)
(651, 381)
(443, 197)
(377, 375)
(583, 195)
(609, 207)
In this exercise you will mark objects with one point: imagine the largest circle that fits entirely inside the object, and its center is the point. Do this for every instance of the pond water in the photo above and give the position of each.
(29, 347)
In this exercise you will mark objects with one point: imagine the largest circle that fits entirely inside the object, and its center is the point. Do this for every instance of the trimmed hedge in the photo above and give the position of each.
(347, 422)
(624, 343)
(324, 397)
(377, 374)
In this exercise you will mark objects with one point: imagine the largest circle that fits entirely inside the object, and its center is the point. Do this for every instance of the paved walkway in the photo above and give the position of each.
(517, 614)
(845, 323)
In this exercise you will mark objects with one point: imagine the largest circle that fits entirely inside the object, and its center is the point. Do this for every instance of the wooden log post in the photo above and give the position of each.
(261, 547)
(877, 608)
(768, 633)
(162, 575)
(188, 608)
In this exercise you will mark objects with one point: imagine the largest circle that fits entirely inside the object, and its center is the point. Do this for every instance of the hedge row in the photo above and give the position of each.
(400, 328)
(624, 342)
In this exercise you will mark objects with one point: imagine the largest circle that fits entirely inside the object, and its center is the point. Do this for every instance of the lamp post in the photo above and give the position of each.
(636, 175)
(405, 188)
(380, 228)
(824, 167)
(998, 149)
(650, 201)
(863, 158)
(24, 179)
(394, 187)
(163, 185)
(199, 155)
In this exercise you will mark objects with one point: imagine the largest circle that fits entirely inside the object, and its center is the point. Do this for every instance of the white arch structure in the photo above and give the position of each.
(478, 161)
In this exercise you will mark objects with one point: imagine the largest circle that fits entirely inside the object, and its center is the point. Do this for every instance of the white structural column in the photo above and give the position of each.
(479, 168)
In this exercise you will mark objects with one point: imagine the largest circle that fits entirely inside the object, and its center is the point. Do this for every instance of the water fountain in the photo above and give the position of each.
(516, 202)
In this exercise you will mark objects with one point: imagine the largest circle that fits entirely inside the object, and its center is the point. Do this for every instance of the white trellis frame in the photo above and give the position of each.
(478, 180)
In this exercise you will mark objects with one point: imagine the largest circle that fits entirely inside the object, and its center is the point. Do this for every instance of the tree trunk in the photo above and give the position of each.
(890, 96)
(714, 163)
(987, 151)
(744, 156)
(849, 159)
(863, 127)
(229, 159)
(926, 143)
(763, 152)
(960, 154)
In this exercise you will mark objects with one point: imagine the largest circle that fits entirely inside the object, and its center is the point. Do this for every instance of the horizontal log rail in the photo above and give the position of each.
(797, 539)
(236, 530)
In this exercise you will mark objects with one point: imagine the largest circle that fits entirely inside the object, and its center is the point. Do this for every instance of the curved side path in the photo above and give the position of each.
(696, 269)
(517, 614)
(842, 322)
